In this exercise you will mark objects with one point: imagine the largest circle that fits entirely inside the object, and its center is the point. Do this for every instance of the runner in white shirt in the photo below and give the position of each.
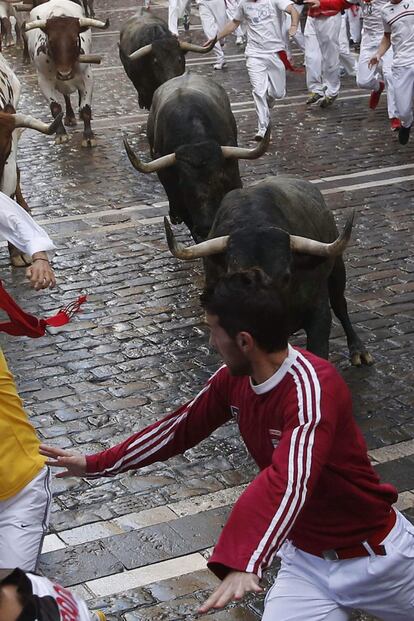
(213, 18)
(369, 76)
(19, 228)
(264, 41)
(398, 20)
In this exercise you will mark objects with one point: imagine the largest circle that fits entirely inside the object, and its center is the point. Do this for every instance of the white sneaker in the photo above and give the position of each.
(219, 66)
(239, 40)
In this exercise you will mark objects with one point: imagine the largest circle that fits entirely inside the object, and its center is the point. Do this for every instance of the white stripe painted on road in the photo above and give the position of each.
(133, 578)
(368, 184)
(363, 173)
(137, 520)
(160, 204)
(393, 451)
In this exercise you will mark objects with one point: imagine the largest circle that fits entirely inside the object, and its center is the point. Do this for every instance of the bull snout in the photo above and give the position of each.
(64, 75)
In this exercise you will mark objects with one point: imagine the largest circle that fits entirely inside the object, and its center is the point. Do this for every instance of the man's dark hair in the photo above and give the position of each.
(247, 301)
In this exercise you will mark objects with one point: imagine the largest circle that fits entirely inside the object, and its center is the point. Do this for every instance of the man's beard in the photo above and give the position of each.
(242, 368)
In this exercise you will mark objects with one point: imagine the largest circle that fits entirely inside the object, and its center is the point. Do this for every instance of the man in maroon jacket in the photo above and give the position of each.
(316, 502)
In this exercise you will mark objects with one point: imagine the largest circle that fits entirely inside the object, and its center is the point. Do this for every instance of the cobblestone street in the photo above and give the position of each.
(135, 545)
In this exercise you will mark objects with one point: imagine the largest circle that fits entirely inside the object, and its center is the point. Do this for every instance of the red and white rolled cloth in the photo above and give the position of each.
(24, 324)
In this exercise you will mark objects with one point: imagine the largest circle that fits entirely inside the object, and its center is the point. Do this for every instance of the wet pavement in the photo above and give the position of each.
(136, 545)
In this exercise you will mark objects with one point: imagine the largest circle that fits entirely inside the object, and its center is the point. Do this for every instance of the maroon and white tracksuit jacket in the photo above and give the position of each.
(316, 485)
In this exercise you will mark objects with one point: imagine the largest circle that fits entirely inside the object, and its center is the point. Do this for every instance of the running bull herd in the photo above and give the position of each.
(280, 224)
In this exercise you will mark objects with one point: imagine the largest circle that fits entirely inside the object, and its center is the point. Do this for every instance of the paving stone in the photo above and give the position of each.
(81, 563)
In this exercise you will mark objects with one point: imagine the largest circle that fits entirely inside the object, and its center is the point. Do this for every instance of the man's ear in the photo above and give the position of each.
(244, 341)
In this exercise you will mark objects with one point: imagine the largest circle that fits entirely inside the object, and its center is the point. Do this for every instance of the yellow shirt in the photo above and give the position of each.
(20, 461)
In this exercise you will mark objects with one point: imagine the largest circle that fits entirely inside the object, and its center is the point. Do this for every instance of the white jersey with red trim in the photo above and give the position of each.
(45, 600)
(398, 20)
(316, 485)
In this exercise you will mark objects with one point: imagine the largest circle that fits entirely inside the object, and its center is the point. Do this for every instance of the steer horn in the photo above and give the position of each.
(162, 162)
(203, 249)
(141, 52)
(38, 23)
(88, 22)
(238, 153)
(297, 244)
(199, 49)
(29, 122)
(311, 246)
(94, 59)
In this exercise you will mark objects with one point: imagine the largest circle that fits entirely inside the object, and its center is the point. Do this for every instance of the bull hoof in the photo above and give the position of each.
(61, 138)
(20, 260)
(9, 43)
(89, 143)
(358, 358)
(70, 121)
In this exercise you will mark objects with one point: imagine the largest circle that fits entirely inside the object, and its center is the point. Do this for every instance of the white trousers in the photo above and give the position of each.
(404, 94)
(322, 54)
(24, 519)
(268, 77)
(355, 23)
(213, 18)
(308, 588)
(347, 59)
(368, 77)
(176, 10)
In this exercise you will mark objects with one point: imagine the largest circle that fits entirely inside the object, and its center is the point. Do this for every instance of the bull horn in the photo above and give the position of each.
(38, 23)
(196, 251)
(29, 122)
(199, 49)
(162, 162)
(238, 153)
(94, 59)
(320, 249)
(141, 52)
(88, 22)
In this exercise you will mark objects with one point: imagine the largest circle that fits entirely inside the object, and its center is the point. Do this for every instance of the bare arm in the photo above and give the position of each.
(295, 19)
(383, 47)
(228, 29)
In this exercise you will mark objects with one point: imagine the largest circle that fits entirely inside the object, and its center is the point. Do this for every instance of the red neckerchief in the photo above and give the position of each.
(24, 324)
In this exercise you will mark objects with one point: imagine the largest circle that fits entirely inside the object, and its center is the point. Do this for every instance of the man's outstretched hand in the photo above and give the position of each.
(74, 463)
(233, 588)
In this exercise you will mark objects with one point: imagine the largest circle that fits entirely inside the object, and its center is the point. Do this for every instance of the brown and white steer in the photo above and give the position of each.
(11, 127)
(59, 41)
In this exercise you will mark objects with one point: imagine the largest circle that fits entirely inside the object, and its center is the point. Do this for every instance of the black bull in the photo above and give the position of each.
(192, 135)
(151, 54)
(283, 226)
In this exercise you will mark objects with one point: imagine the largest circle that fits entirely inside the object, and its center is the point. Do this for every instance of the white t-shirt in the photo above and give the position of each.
(19, 228)
(372, 19)
(398, 20)
(263, 20)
